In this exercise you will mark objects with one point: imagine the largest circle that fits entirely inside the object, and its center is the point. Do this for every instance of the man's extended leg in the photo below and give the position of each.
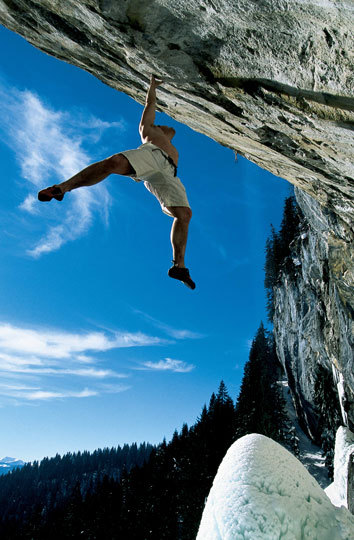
(179, 234)
(93, 174)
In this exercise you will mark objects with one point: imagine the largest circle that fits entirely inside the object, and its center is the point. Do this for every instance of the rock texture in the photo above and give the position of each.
(272, 79)
(313, 320)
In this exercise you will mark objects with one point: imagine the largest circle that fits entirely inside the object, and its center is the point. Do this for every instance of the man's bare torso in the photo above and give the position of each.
(157, 136)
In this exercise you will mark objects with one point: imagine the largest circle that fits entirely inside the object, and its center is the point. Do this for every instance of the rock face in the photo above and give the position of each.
(271, 79)
(313, 320)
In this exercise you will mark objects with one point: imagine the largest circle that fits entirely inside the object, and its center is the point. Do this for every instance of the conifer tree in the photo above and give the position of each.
(222, 423)
(329, 414)
(260, 407)
(271, 268)
(289, 226)
(278, 250)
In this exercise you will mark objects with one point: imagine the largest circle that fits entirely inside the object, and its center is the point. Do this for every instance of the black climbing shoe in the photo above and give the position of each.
(182, 274)
(50, 193)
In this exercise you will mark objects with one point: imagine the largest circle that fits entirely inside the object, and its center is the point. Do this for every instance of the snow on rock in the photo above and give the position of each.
(262, 492)
(340, 492)
(310, 455)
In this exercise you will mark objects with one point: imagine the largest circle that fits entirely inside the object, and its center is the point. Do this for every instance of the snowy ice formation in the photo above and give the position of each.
(262, 492)
(310, 454)
(340, 492)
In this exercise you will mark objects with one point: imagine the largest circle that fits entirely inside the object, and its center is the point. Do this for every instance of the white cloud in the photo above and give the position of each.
(25, 393)
(13, 367)
(170, 330)
(50, 147)
(36, 363)
(168, 364)
(40, 395)
(113, 388)
(98, 126)
(30, 205)
(59, 344)
(5, 387)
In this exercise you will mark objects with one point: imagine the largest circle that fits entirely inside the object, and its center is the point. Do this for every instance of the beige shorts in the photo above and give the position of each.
(151, 166)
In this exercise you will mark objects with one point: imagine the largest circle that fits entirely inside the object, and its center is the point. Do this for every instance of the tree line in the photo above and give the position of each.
(154, 492)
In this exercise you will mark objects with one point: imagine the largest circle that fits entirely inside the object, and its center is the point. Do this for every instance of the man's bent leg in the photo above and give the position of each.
(179, 232)
(93, 174)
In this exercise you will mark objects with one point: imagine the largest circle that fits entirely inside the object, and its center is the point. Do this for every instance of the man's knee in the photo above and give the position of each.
(183, 213)
(188, 213)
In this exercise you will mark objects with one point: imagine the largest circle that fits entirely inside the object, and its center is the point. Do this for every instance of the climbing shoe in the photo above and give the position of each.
(182, 274)
(50, 193)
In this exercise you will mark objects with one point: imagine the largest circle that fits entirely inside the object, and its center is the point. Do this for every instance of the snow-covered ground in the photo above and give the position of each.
(310, 454)
(262, 492)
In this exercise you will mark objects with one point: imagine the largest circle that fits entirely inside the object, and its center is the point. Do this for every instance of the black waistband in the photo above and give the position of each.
(169, 159)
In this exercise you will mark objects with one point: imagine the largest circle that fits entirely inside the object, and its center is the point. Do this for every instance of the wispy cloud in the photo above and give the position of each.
(169, 330)
(13, 367)
(27, 393)
(40, 363)
(60, 344)
(40, 395)
(30, 205)
(168, 364)
(51, 146)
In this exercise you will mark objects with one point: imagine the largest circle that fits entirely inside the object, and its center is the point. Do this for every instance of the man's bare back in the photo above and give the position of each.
(157, 135)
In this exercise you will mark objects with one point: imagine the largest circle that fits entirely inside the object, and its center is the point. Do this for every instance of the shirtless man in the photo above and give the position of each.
(155, 162)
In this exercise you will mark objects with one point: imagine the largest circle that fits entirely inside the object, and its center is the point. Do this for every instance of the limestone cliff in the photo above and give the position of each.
(313, 319)
(272, 79)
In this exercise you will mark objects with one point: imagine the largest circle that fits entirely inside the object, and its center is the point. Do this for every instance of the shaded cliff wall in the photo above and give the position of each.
(313, 321)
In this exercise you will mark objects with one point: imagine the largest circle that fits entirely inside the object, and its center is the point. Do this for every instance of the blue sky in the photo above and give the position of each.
(98, 346)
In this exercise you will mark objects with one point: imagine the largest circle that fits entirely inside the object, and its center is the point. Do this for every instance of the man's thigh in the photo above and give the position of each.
(143, 162)
(121, 165)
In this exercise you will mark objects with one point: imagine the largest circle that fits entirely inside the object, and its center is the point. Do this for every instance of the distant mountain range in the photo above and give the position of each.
(7, 464)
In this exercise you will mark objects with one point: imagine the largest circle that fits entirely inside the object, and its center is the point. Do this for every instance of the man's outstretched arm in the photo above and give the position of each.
(148, 116)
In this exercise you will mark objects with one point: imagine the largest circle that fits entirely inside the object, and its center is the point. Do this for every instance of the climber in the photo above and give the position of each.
(154, 162)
